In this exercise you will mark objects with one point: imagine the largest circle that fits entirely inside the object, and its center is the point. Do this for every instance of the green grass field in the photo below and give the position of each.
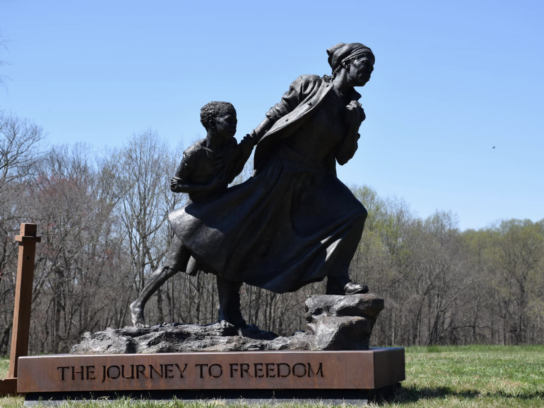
(4, 363)
(469, 376)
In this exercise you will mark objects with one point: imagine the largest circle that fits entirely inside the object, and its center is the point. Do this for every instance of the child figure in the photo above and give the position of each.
(207, 168)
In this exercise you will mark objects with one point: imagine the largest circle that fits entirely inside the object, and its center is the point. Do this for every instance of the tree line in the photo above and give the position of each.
(103, 221)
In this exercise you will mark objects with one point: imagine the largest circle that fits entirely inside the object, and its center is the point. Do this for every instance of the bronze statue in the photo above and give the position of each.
(293, 222)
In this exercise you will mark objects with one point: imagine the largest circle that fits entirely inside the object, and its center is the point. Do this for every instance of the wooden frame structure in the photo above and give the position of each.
(23, 303)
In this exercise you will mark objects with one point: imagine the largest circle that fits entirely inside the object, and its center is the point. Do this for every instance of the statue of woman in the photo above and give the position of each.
(293, 222)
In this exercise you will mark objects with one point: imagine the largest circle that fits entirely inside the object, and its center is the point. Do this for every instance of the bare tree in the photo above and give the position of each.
(20, 151)
(79, 248)
(20, 148)
(520, 252)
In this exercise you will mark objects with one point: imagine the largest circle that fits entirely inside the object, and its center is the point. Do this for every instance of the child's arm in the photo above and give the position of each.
(243, 151)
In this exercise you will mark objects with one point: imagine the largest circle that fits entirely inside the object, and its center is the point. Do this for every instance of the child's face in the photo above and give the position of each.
(225, 126)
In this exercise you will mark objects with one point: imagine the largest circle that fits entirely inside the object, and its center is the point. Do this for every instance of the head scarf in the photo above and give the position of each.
(345, 52)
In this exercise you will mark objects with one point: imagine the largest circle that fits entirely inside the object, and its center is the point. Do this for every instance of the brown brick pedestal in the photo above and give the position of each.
(302, 373)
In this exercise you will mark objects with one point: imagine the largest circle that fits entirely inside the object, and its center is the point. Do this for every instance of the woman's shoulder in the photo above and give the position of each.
(303, 86)
(308, 78)
(307, 84)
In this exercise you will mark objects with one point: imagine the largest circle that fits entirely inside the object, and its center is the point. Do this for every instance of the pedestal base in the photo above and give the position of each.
(303, 373)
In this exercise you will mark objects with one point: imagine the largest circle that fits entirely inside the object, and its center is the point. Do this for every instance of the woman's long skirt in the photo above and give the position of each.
(287, 226)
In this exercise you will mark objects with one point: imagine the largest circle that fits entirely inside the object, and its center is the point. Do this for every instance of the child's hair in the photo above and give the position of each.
(214, 110)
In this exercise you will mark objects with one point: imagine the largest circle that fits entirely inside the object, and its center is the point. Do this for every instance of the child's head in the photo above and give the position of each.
(219, 117)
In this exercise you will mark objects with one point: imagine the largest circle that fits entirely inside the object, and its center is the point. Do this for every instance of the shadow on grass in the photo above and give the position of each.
(413, 394)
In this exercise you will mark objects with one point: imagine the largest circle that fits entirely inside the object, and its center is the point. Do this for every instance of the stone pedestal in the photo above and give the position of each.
(276, 370)
(331, 360)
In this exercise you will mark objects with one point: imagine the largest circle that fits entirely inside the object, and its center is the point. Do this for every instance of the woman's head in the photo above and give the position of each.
(355, 58)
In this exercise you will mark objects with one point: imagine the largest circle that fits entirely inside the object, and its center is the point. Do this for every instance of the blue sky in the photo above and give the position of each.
(452, 80)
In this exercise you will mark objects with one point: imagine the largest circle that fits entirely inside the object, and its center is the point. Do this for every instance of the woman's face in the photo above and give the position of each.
(360, 69)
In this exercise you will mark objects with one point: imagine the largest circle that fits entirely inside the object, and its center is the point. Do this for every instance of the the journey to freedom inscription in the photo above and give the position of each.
(198, 371)
(151, 371)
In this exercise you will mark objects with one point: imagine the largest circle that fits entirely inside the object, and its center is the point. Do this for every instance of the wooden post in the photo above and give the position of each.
(23, 303)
